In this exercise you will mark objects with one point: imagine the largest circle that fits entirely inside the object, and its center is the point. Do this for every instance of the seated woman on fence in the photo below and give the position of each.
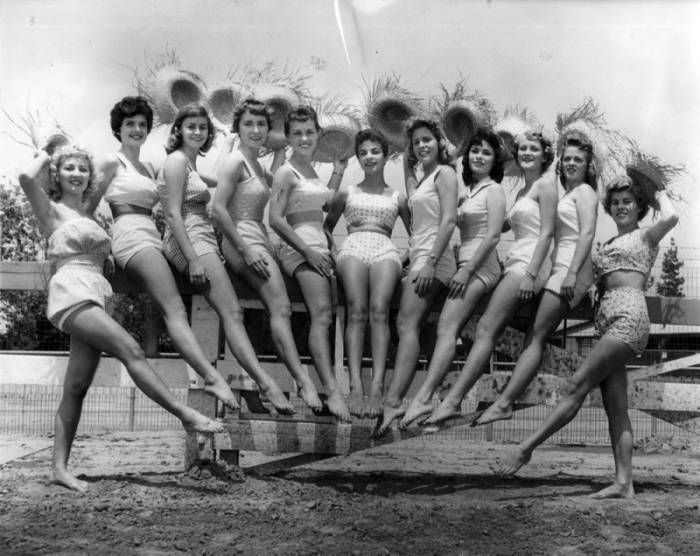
(79, 298)
(369, 264)
(480, 219)
(433, 203)
(532, 221)
(190, 245)
(239, 204)
(621, 266)
(131, 190)
(572, 270)
(296, 214)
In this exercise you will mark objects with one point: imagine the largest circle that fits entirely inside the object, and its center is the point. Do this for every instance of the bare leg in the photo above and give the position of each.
(150, 268)
(614, 391)
(608, 356)
(550, 312)
(412, 312)
(503, 304)
(221, 296)
(273, 294)
(82, 364)
(455, 313)
(355, 278)
(383, 277)
(317, 295)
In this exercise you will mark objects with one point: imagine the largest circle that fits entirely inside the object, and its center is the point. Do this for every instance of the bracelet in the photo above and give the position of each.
(530, 274)
(337, 174)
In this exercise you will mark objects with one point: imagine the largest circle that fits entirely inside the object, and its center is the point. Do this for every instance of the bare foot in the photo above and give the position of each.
(443, 412)
(492, 414)
(510, 465)
(336, 405)
(389, 415)
(194, 421)
(278, 399)
(221, 391)
(64, 478)
(356, 403)
(374, 406)
(615, 490)
(414, 412)
(308, 393)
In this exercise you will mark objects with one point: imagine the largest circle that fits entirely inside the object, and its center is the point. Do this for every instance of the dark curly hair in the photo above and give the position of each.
(625, 183)
(586, 146)
(371, 135)
(545, 143)
(487, 136)
(302, 113)
(255, 107)
(129, 107)
(174, 141)
(436, 130)
(55, 191)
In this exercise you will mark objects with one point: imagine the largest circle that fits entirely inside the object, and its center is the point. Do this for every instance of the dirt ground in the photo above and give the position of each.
(423, 496)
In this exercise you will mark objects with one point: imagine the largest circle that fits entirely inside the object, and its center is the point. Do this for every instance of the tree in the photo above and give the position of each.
(670, 283)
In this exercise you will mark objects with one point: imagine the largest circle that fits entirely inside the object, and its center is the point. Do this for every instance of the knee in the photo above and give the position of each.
(236, 316)
(379, 313)
(357, 313)
(322, 316)
(76, 387)
(406, 325)
(175, 312)
(574, 389)
(131, 351)
(485, 331)
(281, 309)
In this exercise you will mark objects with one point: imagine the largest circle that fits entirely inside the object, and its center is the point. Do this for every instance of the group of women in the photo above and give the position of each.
(553, 220)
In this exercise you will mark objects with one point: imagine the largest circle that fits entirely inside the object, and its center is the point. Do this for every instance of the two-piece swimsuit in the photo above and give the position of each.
(370, 221)
(622, 312)
(77, 250)
(247, 209)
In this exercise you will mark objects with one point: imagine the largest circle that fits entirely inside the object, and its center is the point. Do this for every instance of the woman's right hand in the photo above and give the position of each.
(527, 288)
(257, 261)
(321, 263)
(409, 157)
(198, 273)
(458, 284)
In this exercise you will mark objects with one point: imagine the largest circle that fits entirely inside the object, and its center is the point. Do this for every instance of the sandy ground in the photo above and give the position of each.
(423, 496)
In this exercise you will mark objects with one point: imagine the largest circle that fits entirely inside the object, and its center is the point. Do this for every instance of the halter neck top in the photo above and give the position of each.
(308, 194)
(249, 198)
(79, 240)
(624, 252)
(425, 207)
(363, 208)
(130, 186)
(472, 214)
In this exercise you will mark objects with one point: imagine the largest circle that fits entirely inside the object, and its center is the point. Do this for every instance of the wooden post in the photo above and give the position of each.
(132, 407)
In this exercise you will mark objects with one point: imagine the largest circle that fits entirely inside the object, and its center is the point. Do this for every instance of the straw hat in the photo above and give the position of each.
(652, 175)
(390, 108)
(337, 140)
(222, 103)
(461, 120)
(516, 120)
(54, 141)
(174, 88)
(280, 100)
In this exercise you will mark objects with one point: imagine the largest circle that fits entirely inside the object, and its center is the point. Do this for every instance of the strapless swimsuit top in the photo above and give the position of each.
(130, 186)
(80, 239)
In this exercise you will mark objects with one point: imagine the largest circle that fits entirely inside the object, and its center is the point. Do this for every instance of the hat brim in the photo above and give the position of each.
(389, 115)
(173, 89)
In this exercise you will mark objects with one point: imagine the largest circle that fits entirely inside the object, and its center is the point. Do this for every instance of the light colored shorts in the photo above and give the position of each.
(489, 272)
(583, 283)
(132, 233)
(201, 235)
(255, 236)
(445, 267)
(369, 248)
(312, 234)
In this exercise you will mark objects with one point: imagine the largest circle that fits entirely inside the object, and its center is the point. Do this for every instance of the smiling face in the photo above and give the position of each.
(303, 137)
(371, 157)
(624, 208)
(134, 130)
(73, 175)
(252, 129)
(481, 160)
(530, 155)
(425, 146)
(195, 130)
(574, 162)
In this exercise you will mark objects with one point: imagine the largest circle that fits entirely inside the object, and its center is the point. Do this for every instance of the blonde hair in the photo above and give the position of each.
(59, 156)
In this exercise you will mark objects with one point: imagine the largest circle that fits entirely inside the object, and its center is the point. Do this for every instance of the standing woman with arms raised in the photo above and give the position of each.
(532, 221)
(296, 214)
(79, 297)
(433, 203)
(480, 219)
(621, 266)
(572, 269)
(189, 242)
(242, 193)
(369, 264)
(132, 191)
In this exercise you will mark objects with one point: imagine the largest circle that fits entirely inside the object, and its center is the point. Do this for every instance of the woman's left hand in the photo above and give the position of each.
(568, 286)
(424, 279)
(527, 288)
(339, 165)
(258, 262)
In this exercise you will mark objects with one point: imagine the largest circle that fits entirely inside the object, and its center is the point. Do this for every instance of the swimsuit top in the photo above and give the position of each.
(249, 197)
(363, 208)
(624, 252)
(524, 217)
(79, 240)
(308, 194)
(425, 206)
(566, 227)
(196, 194)
(130, 186)
(473, 214)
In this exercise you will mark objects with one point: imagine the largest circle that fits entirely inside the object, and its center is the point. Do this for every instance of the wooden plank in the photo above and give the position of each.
(205, 325)
(665, 367)
(687, 420)
(24, 275)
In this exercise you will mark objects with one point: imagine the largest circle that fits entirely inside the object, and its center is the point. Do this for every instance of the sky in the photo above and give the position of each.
(639, 60)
